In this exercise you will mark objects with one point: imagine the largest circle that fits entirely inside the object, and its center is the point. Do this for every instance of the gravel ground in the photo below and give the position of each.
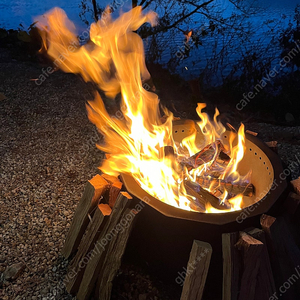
(47, 153)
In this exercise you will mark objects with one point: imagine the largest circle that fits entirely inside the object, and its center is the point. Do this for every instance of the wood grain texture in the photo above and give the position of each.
(95, 263)
(196, 271)
(87, 204)
(251, 249)
(86, 248)
(231, 266)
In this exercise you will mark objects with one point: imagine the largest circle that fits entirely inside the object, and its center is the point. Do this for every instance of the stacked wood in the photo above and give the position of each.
(245, 263)
(103, 248)
(203, 197)
(98, 234)
(233, 189)
(214, 153)
(283, 251)
(231, 266)
(251, 251)
(196, 272)
(85, 208)
(264, 263)
(218, 160)
(265, 281)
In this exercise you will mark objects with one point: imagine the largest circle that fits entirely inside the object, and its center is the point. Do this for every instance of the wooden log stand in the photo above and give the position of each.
(256, 261)
(97, 240)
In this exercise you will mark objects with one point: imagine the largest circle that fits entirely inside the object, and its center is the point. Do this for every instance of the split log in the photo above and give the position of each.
(86, 248)
(292, 204)
(231, 266)
(202, 196)
(196, 271)
(265, 281)
(252, 132)
(292, 216)
(86, 206)
(110, 179)
(113, 259)
(283, 252)
(114, 192)
(213, 152)
(103, 246)
(247, 189)
(251, 249)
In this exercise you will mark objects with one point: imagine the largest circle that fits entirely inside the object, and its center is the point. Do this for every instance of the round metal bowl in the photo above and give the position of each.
(264, 163)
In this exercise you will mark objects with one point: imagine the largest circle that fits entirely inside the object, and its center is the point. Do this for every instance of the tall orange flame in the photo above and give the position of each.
(114, 59)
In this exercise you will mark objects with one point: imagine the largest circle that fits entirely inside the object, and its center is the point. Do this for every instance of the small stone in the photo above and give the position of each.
(2, 269)
(13, 271)
(2, 259)
(142, 296)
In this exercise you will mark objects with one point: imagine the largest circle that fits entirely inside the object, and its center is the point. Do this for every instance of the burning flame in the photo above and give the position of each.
(114, 60)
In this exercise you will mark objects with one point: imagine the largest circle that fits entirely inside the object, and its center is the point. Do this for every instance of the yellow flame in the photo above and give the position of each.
(114, 59)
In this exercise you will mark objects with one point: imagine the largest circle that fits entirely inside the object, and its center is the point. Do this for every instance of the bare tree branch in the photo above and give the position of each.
(95, 10)
(197, 7)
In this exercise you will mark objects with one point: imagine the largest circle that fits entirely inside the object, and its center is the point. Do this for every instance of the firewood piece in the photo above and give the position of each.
(202, 196)
(265, 281)
(210, 153)
(102, 246)
(251, 249)
(247, 189)
(252, 132)
(110, 179)
(231, 266)
(113, 258)
(86, 248)
(114, 192)
(273, 146)
(196, 272)
(167, 151)
(296, 185)
(87, 204)
(284, 253)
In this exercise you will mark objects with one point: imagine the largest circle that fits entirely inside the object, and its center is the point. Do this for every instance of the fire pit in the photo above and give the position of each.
(266, 168)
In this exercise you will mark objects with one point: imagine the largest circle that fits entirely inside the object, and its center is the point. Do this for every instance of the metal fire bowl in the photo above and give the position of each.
(264, 163)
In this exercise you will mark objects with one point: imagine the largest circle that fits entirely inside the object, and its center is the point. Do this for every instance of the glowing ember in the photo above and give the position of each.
(115, 61)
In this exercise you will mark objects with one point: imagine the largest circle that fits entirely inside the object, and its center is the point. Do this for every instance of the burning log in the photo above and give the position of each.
(251, 249)
(104, 247)
(246, 189)
(202, 196)
(213, 152)
(197, 270)
(231, 266)
(86, 206)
